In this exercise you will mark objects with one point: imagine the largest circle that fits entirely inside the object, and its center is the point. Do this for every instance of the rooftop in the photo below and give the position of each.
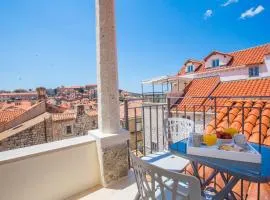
(245, 57)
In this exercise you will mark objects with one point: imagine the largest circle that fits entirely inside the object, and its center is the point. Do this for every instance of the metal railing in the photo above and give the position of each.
(202, 110)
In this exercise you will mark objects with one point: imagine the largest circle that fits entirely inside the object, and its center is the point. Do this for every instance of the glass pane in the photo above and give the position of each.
(250, 71)
(256, 71)
(217, 62)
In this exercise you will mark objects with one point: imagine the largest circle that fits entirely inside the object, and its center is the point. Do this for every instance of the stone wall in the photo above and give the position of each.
(55, 130)
(115, 162)
(79, 126)
(84, 123)
(37, 134)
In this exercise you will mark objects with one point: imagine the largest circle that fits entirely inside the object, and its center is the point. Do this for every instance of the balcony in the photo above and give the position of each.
(96, 166)
(67, 169)
(71, 169)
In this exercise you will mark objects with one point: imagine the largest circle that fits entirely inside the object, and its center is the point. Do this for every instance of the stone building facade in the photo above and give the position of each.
(49, 127)
(37, 134)
(73, 124)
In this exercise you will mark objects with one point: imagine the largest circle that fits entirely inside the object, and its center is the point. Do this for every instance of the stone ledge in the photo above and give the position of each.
(108, 140)
(35, 150)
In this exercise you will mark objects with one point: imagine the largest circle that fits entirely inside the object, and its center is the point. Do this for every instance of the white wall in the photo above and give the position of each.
(56, 170)
(243, 73)
(223, 60)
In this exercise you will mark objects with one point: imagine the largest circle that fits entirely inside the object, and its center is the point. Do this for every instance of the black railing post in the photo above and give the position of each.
(194, 119)
(260, 130)
(150, 110)
(157, 127)
(163, 126)
(128, 154)
(126, 114)
(169, 107)
(243, 118)
(153, 90)
(228, 114)
(185, 111)
(142, 91)
(203, 117)
(215, 103)
(143, 130)
(135, 129)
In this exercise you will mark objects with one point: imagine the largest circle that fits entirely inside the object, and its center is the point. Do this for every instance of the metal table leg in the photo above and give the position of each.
(227, 189)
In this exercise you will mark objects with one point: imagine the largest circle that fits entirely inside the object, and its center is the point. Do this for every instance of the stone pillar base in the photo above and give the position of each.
(113, 155)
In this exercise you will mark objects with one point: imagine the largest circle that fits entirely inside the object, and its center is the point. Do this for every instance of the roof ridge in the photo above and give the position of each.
(261, 45)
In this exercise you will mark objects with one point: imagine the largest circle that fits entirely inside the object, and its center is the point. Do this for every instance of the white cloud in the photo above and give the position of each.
(208, 14)
(252, 12)
(228, 2)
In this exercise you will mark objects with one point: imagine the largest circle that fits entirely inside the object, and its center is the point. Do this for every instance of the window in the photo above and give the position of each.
(215, 63)
(68, 130)
(253, 71)
(190, 68)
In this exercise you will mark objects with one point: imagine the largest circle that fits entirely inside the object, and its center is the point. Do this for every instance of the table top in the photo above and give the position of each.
(244, 170)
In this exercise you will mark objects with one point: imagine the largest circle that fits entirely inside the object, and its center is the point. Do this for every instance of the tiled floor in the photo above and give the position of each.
(124, 189)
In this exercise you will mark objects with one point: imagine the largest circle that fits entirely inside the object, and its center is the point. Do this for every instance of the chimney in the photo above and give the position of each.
(80, 110)
(41, 92)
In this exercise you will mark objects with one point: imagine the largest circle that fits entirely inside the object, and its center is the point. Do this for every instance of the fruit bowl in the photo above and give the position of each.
(224, 138)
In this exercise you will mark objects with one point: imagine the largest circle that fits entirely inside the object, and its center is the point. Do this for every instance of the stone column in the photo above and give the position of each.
(111, 140)
(107, 73)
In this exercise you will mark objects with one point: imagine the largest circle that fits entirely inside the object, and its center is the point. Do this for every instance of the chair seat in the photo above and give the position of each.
(167, 160)
(182, 189)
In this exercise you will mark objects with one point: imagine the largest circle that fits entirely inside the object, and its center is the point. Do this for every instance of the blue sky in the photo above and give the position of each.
(52, 42)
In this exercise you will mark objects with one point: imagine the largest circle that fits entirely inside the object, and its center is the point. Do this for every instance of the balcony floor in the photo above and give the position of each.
(124, 189)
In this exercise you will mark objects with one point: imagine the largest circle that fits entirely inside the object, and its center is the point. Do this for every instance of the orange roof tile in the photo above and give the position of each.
(202, 87)
(242, 88)
(251, 118)
(255, 87)
(131, 111)
(92, 113)
(63, 116)
(8, 115)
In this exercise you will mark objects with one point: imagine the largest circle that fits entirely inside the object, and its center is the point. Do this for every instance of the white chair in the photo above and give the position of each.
(157, 183)
(175, 129)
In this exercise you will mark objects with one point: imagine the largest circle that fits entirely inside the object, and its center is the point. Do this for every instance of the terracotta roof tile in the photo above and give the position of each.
(225, 90)
(198, 88)
(131, 111)
(91, 113)
(63, 116)
(8, 115)
(252, 120)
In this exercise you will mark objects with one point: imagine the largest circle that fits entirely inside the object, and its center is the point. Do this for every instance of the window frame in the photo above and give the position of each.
(253, 71)
(215, 63)
(69, 130)
(190, 68)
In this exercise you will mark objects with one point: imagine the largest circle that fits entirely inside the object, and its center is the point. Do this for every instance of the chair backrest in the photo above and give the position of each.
(157, 183)
(177, 129)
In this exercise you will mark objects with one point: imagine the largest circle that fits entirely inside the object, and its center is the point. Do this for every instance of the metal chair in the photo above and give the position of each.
(175, 129)
(157, 183)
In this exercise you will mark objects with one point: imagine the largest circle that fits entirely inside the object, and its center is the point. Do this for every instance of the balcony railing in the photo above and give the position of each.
(209, 114)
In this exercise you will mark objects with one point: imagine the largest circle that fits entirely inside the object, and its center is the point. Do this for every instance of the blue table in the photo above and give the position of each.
(259, 173)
